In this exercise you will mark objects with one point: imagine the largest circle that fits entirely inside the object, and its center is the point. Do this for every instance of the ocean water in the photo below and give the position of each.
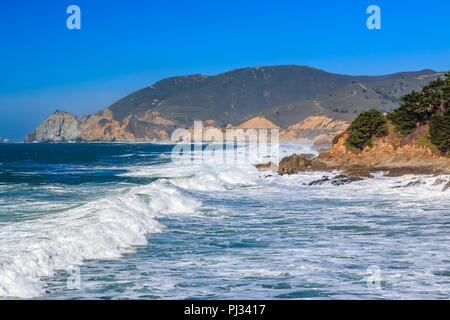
(128, 221)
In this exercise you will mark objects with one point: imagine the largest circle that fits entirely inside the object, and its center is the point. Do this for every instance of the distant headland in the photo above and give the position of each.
(302, 102)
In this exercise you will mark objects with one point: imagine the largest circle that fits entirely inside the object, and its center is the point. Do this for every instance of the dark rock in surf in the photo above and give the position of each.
(337, 180)
(411, 184)
(439, 181)
(447, 186)
(294, 163)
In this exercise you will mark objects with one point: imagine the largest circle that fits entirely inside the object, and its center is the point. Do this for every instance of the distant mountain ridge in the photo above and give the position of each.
(286, 96)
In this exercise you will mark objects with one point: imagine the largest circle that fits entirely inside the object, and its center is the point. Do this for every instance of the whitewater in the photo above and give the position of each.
(136, 223)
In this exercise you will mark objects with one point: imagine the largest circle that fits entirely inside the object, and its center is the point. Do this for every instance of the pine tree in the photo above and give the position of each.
(440, 131)
(364, 127)
(419, 107)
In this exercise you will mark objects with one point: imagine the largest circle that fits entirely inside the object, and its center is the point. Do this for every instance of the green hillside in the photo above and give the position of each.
(283, 94)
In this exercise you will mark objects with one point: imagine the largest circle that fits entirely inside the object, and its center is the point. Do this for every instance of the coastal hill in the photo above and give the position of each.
(303, 102)
(413, 138)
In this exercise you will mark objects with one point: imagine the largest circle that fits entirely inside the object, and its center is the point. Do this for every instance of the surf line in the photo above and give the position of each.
(193, 310)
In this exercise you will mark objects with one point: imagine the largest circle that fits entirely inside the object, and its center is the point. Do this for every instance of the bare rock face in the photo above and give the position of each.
(59, 127)
(386, 156)
(397, 159)
(102, 126)
(321, 129)
(322, 143)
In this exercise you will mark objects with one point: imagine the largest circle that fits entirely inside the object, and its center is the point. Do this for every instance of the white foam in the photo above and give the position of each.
(208, 178)
(108, 227)
(101, 229)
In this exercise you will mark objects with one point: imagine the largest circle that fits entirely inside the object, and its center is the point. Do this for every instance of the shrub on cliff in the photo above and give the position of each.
(440, 131)
(364, 127)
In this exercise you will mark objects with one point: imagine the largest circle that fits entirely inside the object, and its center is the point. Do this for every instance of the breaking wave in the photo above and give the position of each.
(101, 229)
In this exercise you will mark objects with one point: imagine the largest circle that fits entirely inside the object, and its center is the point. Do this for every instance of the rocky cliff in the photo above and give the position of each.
(309, 129)
(302, 102)
(386, 154)
(59, 127)
(414, 138)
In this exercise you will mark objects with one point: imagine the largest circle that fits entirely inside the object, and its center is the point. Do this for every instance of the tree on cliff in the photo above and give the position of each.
(364, 127)
(419, 107)
(431, 105)
(440, 131)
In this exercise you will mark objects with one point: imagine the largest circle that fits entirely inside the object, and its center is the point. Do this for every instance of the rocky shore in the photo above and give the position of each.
(393, 159)
(413, 139)
(343, 172)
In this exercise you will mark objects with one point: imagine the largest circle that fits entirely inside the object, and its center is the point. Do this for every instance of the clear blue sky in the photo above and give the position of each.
(126, 45)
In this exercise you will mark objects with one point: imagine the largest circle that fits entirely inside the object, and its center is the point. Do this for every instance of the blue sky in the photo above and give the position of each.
(126, 45)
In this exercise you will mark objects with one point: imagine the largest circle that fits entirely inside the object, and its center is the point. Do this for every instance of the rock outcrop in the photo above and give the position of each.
(295, 163)
(384, 155)
(314, 128)
(59, 127)
(336, 181)
(257, 123)
(387, 155)
(323, 142)
(327, 129)
(348, 176)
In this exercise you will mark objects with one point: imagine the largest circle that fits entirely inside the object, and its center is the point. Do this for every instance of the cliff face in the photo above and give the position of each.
(393, 152)
(303, 102)
(314, 128)
(59, 127)
(386, 154)
(309, 129)
(394, 155)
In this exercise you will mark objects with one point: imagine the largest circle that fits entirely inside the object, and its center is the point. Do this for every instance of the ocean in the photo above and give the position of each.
(129, 221)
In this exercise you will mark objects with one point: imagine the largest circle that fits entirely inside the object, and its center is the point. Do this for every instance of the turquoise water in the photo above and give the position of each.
(126, 221)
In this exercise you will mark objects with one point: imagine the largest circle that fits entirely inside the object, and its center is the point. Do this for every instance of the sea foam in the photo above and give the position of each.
(101, 229)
